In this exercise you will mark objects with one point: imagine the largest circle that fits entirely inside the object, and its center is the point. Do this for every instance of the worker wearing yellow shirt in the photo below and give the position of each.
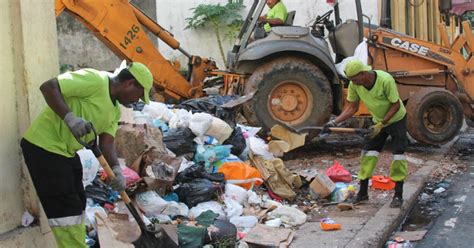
(276, 16)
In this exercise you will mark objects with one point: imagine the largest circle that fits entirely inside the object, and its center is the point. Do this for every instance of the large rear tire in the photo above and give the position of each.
(290, 90)
(434, 116)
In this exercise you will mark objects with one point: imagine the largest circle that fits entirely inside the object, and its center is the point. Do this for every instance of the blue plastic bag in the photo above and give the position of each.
(212, 156)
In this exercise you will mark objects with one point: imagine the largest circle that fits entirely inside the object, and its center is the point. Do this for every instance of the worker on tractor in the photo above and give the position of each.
(77, 102)
(377, 90)
(276, 16)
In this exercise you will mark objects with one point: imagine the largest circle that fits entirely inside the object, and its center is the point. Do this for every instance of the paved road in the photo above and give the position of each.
(455, 227)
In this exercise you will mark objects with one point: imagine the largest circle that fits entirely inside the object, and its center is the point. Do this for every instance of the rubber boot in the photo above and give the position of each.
(397, 200)
(362, 195)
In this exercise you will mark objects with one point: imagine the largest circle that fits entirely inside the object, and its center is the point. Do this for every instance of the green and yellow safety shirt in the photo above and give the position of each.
(379, 98)
(86, 92)
(278, 11)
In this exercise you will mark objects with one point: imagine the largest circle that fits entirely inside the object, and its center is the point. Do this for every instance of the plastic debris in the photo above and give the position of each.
(198, 190)
(328, 224)
(90, 166)
(274, 223)
(151, 203)
(439, 190)
(289, 215)
(241, 174)
(382, 182)
(242, 222)
(181, 119)
(236, 193)
(204, 206)
(337, 173)
(27, 219)
(173, 209)
(232, 208)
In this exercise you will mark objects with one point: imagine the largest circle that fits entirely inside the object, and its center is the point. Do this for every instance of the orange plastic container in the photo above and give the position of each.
(382, 183)
(327, 224)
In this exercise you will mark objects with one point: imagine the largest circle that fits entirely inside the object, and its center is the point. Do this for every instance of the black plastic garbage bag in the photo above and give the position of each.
(237, 140)
(212, 105)
(180, 142)
(99, 192)
(198, 171)
(198, 190)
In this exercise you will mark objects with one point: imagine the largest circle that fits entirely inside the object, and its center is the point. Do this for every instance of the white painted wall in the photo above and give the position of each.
(29, 57)
(171, 15)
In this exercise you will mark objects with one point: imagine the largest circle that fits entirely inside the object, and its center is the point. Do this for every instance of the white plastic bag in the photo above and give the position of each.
(151, 203)
(180, 119)
(244, 221)
(360, 53)
(219, 129)
(274, 223)
(289, 215)
(236, 193)
(141, 118)
(158, 110)
(259, 147)
(175, 209)
(200, 123)
(90, 215)
(253, 198)
(232, 207)
(90, 166)
(214, 206)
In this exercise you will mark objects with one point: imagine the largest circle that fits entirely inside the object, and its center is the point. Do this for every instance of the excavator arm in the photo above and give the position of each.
(120, 26)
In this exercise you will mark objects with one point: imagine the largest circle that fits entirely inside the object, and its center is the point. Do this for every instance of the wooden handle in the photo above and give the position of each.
(342, 130)
(111, 175)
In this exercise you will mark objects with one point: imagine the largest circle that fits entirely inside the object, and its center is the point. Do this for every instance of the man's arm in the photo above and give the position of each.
(391, 112)
(55, 100)
(350, 109)
(262, 18)
(271, 21)
(107, 146)
(275, 22)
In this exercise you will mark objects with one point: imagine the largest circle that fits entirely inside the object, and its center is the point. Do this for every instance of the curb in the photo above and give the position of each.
(379, 228)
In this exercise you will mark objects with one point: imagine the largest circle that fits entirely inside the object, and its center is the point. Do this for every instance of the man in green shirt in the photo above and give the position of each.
(378, 91)
(76, 101)
(276, 16)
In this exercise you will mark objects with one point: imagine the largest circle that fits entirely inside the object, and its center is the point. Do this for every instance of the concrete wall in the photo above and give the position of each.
(202, 42)
(80, 48)
(29, 57)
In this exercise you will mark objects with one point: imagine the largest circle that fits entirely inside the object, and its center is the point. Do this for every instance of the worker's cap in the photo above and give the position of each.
(142, 75)
(355, 67)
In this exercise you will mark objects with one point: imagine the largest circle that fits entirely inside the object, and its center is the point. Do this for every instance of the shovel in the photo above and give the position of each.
(359, 131)
(148, 237)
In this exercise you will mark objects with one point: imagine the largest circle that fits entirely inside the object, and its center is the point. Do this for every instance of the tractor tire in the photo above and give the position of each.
(434, 116)
(289, 90)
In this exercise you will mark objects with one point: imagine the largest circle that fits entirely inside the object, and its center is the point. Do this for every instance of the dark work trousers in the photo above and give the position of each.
(57, 179)
(396, 130)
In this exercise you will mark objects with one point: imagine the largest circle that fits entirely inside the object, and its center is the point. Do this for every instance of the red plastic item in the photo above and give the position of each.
(338, 173)
(274, 196)
(382, 183)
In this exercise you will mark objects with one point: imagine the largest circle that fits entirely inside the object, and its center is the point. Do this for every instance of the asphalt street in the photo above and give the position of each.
(455, 226)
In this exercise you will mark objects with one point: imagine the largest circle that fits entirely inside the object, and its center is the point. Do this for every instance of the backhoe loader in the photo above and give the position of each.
(291, 73)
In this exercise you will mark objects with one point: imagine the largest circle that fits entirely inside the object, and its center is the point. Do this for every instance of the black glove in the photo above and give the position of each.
(78, 126)
(118, 183)
(325, 131)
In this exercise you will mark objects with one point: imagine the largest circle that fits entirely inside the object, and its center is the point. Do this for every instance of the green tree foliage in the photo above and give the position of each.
(221, 18)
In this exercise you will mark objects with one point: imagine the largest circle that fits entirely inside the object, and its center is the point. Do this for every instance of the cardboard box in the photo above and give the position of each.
(322, 185)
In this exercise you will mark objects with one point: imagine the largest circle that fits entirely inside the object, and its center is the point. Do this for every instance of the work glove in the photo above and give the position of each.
(375, 130)
(78, 126)
(118, 183)
(325, 131)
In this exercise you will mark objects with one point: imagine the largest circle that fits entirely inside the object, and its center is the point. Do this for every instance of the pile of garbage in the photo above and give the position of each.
(192, 167)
